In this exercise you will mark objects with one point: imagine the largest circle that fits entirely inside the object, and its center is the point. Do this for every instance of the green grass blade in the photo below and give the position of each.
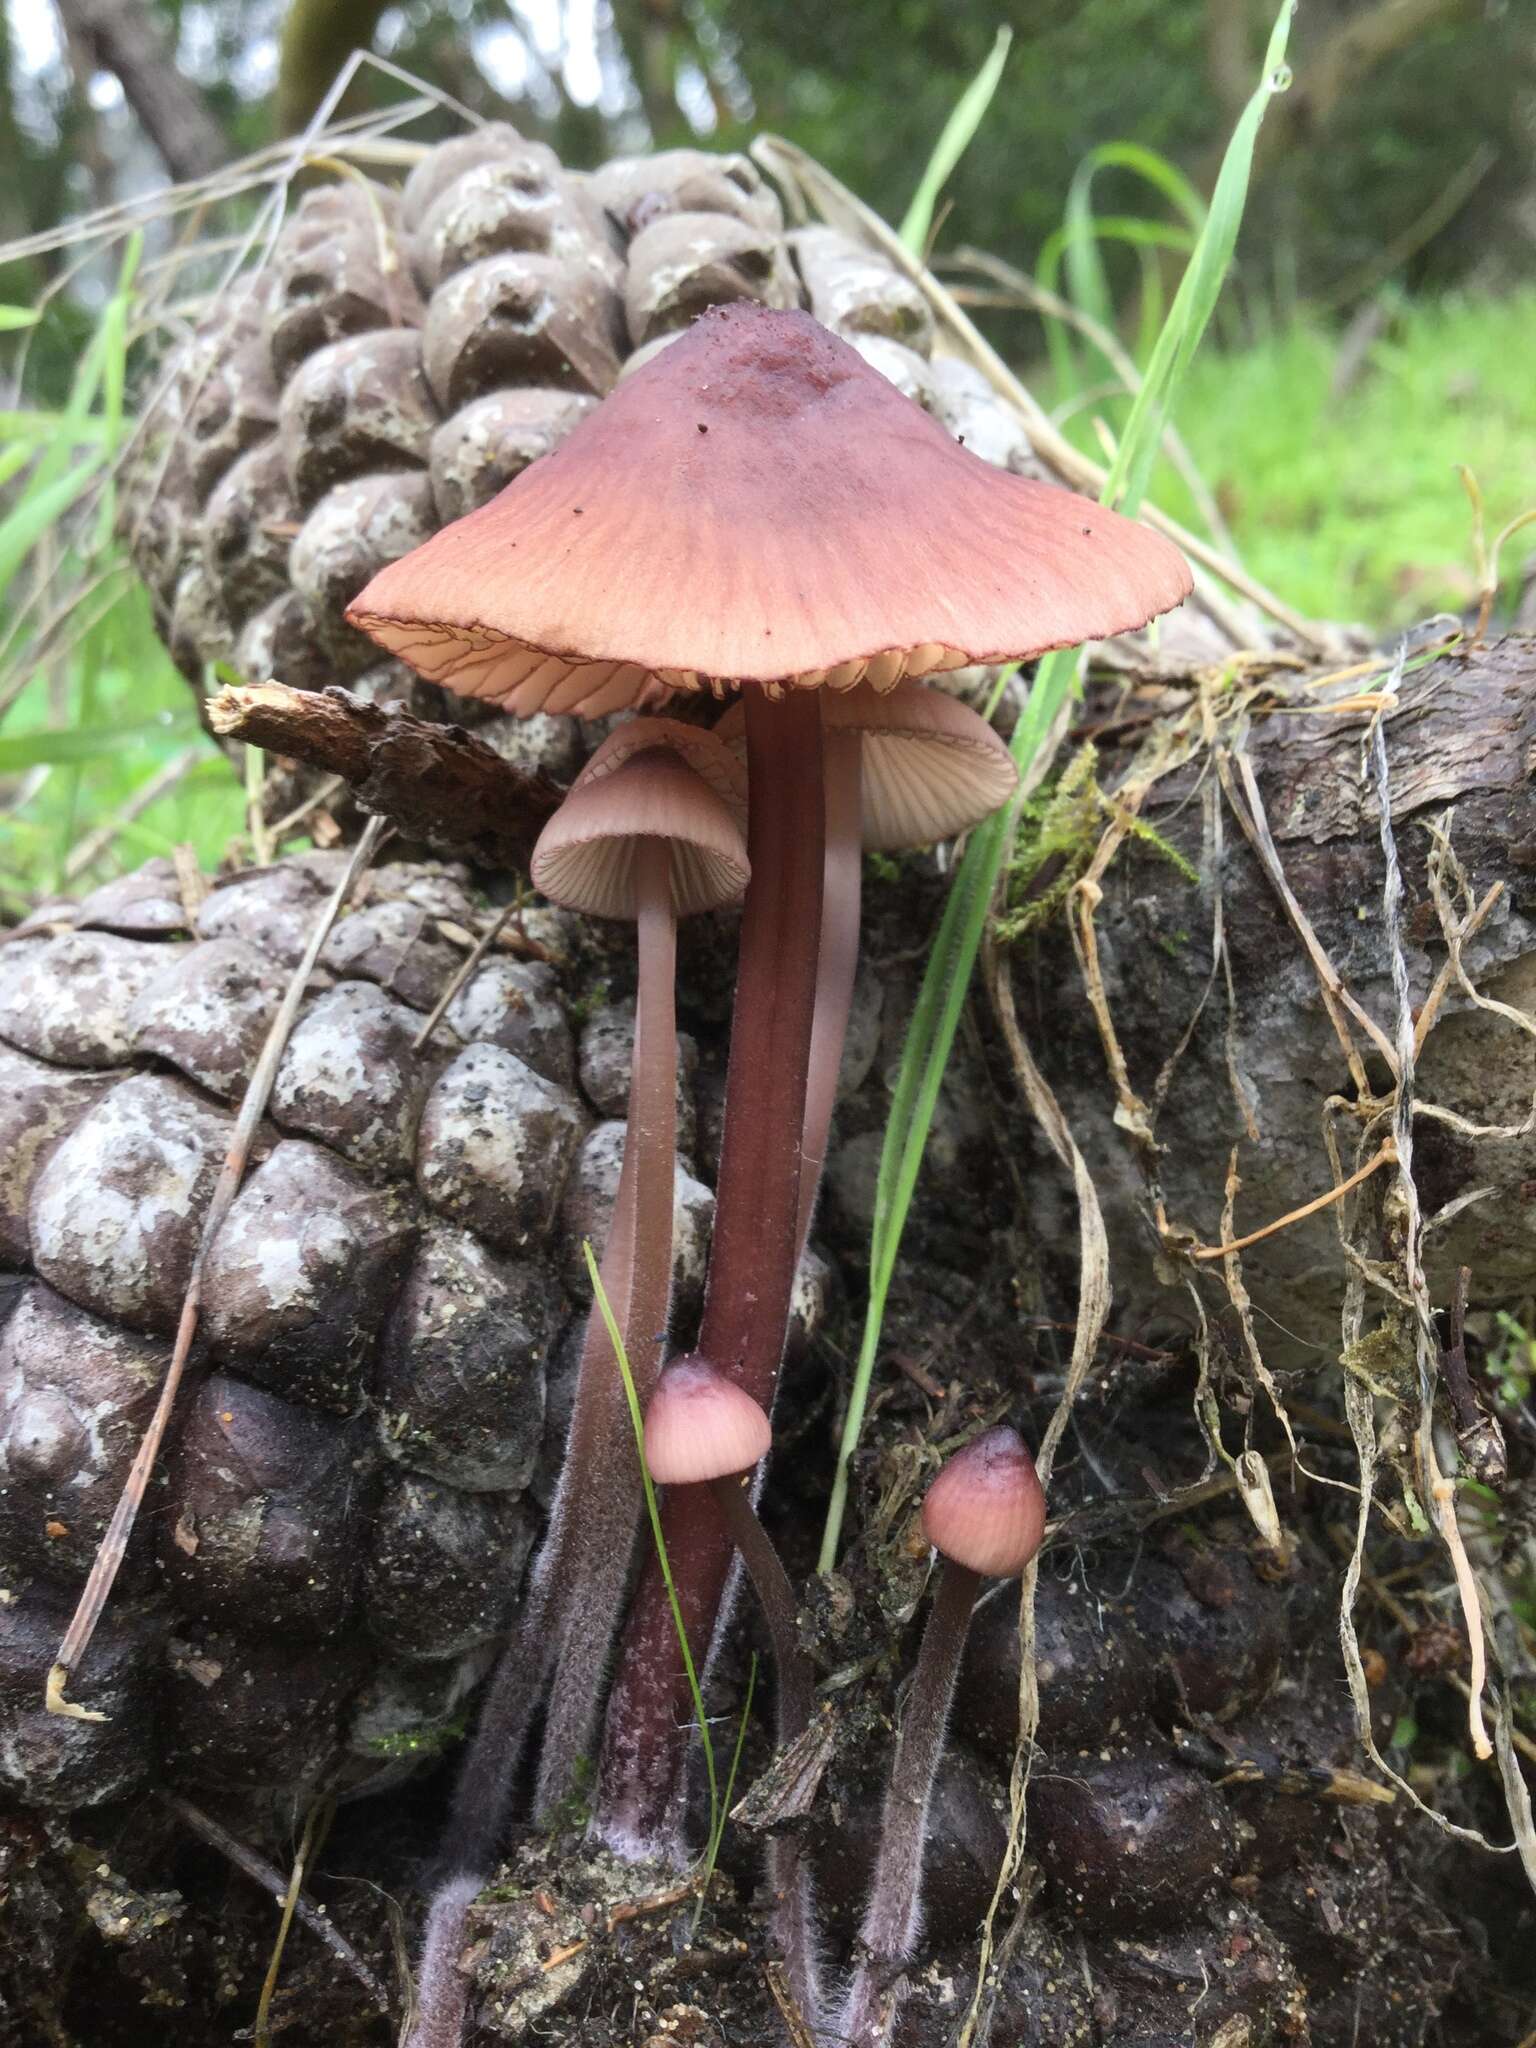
(1084, 229)
(958, 133)
(936, 1017)
(31, 428)
(1200, 287)
(924, 1058)
(39, 506)
(68, 746)
(14, 317)
(717, 1833)
(637, 1420)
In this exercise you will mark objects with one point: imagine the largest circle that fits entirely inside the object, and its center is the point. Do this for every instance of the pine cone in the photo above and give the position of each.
(340, 1523)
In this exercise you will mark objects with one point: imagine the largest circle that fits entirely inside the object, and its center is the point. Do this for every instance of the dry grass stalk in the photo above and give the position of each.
(1092, 1313)
(271, 1880)
(114, 1544)
(460, 975)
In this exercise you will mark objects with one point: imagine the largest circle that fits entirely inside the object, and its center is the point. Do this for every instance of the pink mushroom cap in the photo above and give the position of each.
(757, 504)
(700, 1425)
(986, 1510)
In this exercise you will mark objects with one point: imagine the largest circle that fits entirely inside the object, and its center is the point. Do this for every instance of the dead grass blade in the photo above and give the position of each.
(318, 1816)
(1092, 1312)
(275, 1885)
(114, 1544)
(1251, 815)
(1440, 1492)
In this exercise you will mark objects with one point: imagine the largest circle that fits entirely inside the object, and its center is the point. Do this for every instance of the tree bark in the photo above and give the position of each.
(123, 37)
(1209, 1039)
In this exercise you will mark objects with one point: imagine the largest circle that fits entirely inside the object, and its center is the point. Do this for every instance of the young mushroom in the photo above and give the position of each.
(702, 1430)
(825, 532)
(647, 833)
(985, 1515)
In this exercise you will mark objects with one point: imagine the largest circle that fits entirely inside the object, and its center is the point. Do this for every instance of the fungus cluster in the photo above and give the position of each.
(754, 512)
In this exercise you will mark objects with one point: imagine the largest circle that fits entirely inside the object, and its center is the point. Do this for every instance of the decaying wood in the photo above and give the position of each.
(435, 783)
(1219, 1010)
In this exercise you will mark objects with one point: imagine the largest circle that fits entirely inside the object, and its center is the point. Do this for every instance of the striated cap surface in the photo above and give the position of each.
(758, 505)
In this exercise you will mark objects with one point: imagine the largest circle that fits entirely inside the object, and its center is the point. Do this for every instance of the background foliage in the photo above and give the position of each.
(1374, 334)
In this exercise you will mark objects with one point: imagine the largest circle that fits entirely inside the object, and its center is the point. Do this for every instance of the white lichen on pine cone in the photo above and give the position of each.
(348, 1499)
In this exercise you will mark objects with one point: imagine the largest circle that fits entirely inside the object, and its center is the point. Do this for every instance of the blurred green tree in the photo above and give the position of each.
(1408, 139)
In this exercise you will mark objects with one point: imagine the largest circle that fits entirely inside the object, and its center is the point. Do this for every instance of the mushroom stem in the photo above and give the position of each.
(755, 1249)
(600, 1475)
(574, 1603)
(837, 962)
(796, 1687)
(892, 1911)
(792, 1917)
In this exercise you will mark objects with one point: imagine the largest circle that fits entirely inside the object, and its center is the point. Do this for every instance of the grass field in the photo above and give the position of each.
(1349, 505)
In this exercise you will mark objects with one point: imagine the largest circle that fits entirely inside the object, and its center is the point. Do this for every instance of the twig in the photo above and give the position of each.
(435, 782)
(1478, 1436)
(461, 974)
(114, 1543)
(1453, 1359)
(272, 1881)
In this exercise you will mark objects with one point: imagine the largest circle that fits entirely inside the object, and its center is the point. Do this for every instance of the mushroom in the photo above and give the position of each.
(985, 1515)
(647, 833)
(756, 507)
(702, 1430)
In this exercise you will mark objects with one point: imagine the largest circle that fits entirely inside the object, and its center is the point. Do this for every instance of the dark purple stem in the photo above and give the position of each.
(796, 1692)
(600, 1492)
(792, 1919)
(574, 1603)
(893, 1909)
(754, 1253)
(837, 962)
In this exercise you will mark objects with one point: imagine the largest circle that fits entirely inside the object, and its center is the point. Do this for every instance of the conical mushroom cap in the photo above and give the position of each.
(700, 1425)
(758, 505)
(986, 1510)
(931, 767)
(654, 778)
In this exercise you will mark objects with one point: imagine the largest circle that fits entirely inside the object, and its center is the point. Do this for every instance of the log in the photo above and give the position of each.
(1459, 741)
